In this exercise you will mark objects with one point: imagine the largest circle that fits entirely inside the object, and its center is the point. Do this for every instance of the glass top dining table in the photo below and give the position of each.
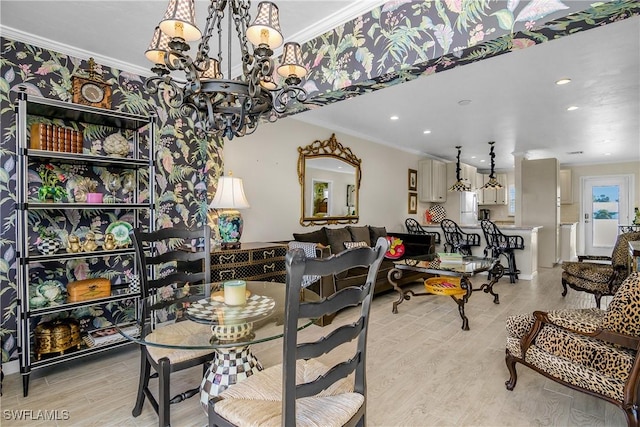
(260, 319)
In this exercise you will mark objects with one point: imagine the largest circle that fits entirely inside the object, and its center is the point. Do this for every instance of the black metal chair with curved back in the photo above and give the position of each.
(303, 391)
(457, 240)
(162, 261)
(499, 244)
(414, 227)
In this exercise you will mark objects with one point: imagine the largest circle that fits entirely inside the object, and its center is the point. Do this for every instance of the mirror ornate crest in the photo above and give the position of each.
(329, 175)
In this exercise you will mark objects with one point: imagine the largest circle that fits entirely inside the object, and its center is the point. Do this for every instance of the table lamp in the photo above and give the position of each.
(229, 198)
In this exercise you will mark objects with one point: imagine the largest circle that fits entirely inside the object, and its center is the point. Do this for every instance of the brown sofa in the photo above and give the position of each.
(333, 240)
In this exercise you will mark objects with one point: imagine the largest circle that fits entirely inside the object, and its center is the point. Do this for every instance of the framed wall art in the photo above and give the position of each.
(413, 203)
(413, 180)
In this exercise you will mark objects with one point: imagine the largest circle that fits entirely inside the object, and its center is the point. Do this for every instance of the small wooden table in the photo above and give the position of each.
(460, 293)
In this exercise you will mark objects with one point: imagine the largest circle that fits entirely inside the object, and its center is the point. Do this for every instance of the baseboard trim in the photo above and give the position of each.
(12, 367)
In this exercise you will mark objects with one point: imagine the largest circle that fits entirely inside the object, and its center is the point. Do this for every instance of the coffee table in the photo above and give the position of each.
(459, 290)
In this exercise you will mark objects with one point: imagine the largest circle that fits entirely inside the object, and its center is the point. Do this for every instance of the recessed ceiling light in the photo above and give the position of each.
(481, 160)
(473, 157)
(607, 154)
(572, 108)
(563, 81)
(426, 131)
(394, 117)
(464, 102)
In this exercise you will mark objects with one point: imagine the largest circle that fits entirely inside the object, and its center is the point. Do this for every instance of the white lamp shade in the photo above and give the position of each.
(180, 20)
(292, 61)
(158, 46)
(266, 27)
(229, 194)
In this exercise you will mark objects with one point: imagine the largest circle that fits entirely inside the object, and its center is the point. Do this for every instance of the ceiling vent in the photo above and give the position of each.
(575, 152)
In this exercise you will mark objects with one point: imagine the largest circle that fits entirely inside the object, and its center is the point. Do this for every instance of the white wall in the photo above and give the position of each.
(267, 162)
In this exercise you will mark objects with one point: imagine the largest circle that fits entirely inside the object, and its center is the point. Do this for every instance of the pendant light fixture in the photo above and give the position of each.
(459, 185)
(224, 104)
(493, 182)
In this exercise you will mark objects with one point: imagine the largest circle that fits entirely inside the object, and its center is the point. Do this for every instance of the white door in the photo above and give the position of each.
(605, 205)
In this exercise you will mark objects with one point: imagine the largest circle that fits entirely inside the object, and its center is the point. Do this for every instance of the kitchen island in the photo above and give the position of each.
(526, 259)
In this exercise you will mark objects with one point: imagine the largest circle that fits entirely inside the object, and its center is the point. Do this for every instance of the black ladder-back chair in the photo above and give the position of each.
(163, 261)
(324, 394)
(457, 240)
(501, 244)
(414, 227)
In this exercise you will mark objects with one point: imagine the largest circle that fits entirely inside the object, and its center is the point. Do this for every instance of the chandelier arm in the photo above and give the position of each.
(175, 95)
(242, 17)
(203, 46)
(285, 95)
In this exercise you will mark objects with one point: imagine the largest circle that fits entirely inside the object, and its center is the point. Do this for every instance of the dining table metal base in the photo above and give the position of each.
(229, 366)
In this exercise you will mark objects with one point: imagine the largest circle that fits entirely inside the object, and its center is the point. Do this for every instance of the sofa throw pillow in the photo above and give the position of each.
(336, 238)
(349, 245)
(360, 234)
(318, 236)
(375, 232)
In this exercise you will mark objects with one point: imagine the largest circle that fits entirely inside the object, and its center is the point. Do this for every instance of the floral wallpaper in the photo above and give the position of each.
(186, 162)
(405, 39)
(394, 43)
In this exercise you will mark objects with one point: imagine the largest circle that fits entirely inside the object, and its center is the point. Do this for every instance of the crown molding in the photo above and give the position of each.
(14, 34)
(346, 14)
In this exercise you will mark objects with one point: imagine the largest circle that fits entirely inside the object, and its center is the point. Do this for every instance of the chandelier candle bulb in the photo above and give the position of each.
(235, 292)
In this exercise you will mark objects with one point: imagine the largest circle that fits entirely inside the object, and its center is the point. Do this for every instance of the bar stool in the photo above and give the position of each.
(413, 227)
(456, 239)
(501, 244)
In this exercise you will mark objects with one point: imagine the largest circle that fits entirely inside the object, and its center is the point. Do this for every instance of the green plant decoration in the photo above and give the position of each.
(50, 190)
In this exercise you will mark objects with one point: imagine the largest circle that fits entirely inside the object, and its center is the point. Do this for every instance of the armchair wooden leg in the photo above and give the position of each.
(164, 370)
(598, 298)
(564, 288)
(145, 370)
(513, 374)
(632, 416)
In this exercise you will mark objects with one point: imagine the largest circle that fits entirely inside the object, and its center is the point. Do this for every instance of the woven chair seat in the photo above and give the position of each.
(334, 406)
(180, 333)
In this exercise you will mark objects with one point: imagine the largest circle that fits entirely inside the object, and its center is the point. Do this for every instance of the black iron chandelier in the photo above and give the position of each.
(225, 106)
(493, 182)
(458, 185)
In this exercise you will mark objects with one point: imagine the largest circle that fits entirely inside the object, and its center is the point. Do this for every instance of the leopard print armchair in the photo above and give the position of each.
(591, 350)
(599, 279)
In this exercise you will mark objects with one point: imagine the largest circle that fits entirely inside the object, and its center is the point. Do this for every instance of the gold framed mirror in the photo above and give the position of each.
(329, 175)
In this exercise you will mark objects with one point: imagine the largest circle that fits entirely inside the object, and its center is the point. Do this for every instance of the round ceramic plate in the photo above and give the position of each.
(437, 213)
(120, 231)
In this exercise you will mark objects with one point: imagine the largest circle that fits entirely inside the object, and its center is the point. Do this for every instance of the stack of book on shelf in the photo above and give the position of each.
(450, 258)
(109, 335)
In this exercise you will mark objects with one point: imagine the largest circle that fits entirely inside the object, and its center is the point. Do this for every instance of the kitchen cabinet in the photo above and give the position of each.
(566, 188)
(433, 181)
(495, 196)
(106, 194)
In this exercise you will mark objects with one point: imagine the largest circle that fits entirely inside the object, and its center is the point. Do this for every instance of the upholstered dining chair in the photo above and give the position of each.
(414, 227)
(457, 240)
(303, 391)
(599, 279)
(169, 257)
(500, 244)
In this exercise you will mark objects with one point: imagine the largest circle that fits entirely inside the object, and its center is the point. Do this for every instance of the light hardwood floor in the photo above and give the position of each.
(423, 370)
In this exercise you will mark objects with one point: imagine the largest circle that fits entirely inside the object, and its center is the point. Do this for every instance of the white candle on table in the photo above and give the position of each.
(235, 292)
